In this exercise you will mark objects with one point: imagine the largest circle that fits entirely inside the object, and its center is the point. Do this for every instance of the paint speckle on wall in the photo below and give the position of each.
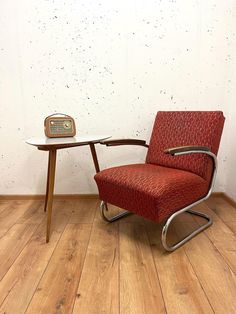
(112, 66)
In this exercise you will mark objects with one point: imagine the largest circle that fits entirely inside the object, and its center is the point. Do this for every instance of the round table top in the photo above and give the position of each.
(45, 142)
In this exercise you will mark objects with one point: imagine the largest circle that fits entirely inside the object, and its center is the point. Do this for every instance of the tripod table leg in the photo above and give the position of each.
(51, 180)
(46, 196)
(94, 155)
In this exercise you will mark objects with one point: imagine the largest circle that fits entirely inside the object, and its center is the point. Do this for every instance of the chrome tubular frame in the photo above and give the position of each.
(187, 209)
(103, 208)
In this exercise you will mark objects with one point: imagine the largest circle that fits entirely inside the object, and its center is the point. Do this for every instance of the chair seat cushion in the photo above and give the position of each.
(152, 191)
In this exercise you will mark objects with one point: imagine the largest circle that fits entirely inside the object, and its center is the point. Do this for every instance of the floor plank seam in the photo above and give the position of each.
(162, 294)
(19, 252)
(97, 208)
(13, 224)
(230, 228)
(3, 235)
(205, 293)
(213, 210)
(40, 205)
(221, 219)
(216, 248)
(223, 257)
(85, 255)
(59, 238)
(13, 264)
(7, 295)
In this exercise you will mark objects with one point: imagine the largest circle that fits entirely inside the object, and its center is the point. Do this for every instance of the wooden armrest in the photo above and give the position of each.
(183, 149)
(118, 142)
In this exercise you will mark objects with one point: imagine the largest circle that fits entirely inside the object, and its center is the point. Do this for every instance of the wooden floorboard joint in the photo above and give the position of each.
(90, 266)
(83, 266)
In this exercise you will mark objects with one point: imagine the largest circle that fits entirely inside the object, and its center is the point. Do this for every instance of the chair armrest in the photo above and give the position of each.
(184, 149)
(118, 142)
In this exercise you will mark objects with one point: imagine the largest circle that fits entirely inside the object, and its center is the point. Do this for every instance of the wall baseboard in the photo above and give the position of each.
(19, 197)
(229, 199)
(217, 194)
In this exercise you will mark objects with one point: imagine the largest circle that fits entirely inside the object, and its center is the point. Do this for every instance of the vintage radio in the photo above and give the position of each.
(59, 125)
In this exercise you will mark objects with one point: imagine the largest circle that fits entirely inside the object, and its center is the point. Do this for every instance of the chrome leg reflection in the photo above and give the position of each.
(104, 208)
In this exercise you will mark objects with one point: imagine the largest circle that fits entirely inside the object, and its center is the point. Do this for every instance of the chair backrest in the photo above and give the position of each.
(181, 128)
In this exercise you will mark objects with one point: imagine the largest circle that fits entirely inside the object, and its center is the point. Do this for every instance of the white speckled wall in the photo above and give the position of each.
(112, 65)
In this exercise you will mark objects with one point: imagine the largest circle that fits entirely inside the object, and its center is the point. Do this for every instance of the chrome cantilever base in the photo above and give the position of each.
(103, 208)
(171, 248)
(188, 208)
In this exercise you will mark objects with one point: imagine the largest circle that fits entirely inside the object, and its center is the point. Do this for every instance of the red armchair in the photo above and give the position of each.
(178, 174)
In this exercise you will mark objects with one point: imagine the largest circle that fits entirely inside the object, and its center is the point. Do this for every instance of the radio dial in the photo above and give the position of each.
(67, 124)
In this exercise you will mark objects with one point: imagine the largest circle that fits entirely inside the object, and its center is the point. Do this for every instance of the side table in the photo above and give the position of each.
(52, 145)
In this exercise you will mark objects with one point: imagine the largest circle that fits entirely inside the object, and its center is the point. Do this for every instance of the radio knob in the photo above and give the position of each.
(67, 124)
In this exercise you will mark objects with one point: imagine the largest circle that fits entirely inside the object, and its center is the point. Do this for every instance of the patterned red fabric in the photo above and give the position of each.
(181, 128)
(165, 183)
(151, 191)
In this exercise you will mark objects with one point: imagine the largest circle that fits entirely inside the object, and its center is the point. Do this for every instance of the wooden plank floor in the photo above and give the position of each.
(90, 266)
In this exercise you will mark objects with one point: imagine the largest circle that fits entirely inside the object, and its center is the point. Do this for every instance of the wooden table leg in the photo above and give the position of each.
(95, 159)
(51, 180)
(46, 196)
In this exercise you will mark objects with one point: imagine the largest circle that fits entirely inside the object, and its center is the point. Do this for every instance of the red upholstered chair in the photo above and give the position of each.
(178, 174)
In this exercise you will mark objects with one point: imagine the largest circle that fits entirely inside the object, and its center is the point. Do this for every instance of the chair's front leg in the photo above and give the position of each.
(103, 208)
(188, 209)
